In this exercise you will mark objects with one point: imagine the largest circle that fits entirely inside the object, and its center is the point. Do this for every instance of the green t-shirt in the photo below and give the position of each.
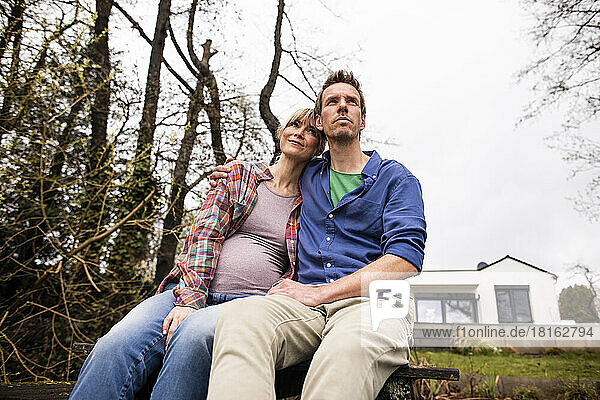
(341, 183)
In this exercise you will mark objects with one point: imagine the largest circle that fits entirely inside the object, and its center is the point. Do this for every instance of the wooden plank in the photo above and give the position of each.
(439, 373)
(36, 391)
(289, 381)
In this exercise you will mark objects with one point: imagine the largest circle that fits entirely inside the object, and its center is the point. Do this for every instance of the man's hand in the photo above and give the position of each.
(309, 295)
(219, 172)
(173, 319)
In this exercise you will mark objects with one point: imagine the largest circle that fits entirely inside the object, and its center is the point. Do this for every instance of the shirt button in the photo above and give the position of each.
(329, 264)
(330, 215)
(328, 238)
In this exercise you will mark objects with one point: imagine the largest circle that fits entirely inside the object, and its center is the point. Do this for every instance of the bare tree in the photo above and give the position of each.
(309, 66)
(100, 55)
(99, 152)
(132, 243)
(592, 281)
(14, 24)
(584, 156)
(213, 109)
(267, 115)
(79, 179)
(179, 187)
(13, 32)
(567, 73)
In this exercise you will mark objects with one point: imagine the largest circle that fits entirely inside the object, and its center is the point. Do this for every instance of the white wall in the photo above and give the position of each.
(542, 296)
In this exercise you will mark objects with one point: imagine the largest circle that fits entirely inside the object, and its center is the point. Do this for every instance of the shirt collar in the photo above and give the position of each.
(370, 170)
(262, 172)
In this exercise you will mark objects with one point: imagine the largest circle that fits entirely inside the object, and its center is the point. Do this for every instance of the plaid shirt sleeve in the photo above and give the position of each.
(223, 212)
(197, 261)
(291, 237)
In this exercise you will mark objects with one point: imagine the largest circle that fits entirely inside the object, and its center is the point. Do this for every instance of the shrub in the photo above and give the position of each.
(488, 389)
(482, 348)
(526, 393)
(576, 391)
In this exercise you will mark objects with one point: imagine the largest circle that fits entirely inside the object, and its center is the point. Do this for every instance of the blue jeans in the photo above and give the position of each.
(134, 349)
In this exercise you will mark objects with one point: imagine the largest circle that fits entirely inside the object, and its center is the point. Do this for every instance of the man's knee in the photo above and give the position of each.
(340, 350)
(248, 312)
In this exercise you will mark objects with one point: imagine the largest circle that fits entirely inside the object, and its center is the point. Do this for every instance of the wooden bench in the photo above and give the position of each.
(399, 386)
(288, 382)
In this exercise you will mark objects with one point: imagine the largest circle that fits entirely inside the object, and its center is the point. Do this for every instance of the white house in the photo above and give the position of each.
(506, 291)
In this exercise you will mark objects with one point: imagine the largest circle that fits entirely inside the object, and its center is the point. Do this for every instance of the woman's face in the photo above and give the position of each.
(299, 141)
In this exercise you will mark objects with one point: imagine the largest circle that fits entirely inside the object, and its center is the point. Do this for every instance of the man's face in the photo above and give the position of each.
(340, 118)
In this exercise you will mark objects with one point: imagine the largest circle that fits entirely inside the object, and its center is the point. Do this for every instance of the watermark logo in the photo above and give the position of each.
(389, 300)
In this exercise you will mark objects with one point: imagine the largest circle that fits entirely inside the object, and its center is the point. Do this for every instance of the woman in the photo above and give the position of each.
(242, 241)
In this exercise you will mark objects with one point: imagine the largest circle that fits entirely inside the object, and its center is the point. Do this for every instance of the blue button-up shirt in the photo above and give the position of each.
(384, 215)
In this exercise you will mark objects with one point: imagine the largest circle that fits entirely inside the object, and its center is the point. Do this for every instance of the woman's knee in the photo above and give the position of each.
(114, 340)
(193, 333)
(190, 346)
(140, 328)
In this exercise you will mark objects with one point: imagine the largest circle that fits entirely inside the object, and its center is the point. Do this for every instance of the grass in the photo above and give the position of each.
(571, 364)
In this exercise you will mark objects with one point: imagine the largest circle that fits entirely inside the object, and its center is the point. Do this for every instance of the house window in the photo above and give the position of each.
(447, 308)
(513, 303)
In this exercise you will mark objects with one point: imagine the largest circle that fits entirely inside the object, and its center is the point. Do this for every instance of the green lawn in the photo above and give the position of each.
(569, 364)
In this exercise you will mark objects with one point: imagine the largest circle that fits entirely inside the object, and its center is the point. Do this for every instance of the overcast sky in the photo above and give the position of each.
(490, 189)
(439, 80)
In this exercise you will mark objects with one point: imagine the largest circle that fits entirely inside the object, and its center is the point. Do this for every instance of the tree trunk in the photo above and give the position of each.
(13, 25)
(132, 243)
(148, 122)
(100, 56)
(12, 84)
(98, 175)
(265, 94)
(179, 188)
(213, 109)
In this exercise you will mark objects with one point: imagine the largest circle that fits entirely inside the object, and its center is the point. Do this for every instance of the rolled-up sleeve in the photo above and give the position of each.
(198, 259)
(404, 223)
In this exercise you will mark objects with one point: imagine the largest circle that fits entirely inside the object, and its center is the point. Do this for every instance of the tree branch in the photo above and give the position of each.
(149, 41)
(297, 88)
(179, 51)
(264, 107)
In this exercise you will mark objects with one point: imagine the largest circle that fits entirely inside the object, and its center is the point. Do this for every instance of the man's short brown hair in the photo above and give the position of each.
(341, 76)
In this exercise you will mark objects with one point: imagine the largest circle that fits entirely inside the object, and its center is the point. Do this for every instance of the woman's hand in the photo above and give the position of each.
(219, 172)
(173, 319)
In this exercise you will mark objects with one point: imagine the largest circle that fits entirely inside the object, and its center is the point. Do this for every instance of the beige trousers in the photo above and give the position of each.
(257, 335)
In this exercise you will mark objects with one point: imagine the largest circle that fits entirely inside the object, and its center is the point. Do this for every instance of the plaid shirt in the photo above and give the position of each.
(223, 212)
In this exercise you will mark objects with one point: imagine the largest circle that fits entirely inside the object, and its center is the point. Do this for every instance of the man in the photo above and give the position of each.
(362, 219)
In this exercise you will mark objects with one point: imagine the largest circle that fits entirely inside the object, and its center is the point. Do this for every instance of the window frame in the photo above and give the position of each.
(511, 289)
(443, 297)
